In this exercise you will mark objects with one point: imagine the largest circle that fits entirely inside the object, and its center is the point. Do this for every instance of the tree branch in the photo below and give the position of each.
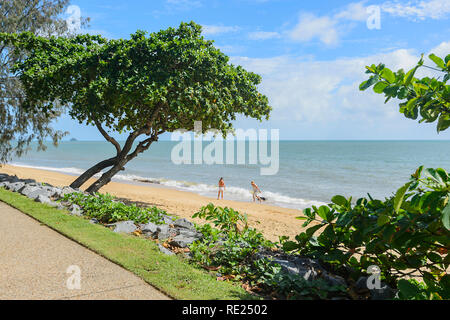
(108, 137)
(143, 145)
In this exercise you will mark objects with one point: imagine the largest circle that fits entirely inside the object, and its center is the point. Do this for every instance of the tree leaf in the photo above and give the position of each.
(379, 87)
(439, 62)
(388, 75)
(446, 216)
(383, 219)
(408, 289)
(339, 200)
(399, 196)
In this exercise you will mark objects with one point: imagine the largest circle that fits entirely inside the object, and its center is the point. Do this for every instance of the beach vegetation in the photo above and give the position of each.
(143, 86)
(107, 209)
(406, 235)
(232, 249)
(427, 98)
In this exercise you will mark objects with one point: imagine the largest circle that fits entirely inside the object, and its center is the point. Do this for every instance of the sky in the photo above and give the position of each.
(311, 56)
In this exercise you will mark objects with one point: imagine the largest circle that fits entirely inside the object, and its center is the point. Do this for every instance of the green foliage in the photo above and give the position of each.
(412, 289)
(427, 97)
(225, 246)
(231, 252)
(226, 219)
(107, 209)
(163, 81)
(406, 233)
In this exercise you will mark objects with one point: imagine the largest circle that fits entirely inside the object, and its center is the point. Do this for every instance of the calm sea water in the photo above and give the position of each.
(310, 172)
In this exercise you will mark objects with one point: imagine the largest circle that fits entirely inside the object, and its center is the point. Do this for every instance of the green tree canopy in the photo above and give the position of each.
(18, 125)
(427, 97)
(145, 85)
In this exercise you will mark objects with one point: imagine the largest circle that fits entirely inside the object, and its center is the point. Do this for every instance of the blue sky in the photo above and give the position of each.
(311, 55)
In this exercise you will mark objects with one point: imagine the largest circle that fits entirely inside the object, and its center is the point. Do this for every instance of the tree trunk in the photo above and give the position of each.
(92, 171)
(106, 177)
(123, 158)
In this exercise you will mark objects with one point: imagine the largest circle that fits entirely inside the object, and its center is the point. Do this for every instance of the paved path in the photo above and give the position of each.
(34, 260)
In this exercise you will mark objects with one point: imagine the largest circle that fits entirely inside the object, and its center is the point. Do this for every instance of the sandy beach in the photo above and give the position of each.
(272, 221)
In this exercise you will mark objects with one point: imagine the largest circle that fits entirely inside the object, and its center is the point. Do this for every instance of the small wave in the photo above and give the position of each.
(69, 170)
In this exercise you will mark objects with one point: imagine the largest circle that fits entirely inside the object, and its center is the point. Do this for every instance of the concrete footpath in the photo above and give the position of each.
(34, 261)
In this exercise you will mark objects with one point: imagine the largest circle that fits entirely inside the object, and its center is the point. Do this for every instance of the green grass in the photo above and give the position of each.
(171, 274)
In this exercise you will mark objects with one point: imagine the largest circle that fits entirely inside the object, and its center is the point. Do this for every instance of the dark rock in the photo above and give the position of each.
(28, 181)
(165, 232)
(307, 268)
(334, 280)
(12, 179)
(184, 223)
(124, 226)
(94, 221)
(165, 250)
(182, 241)
(384, 293)
(149, 229)
(190, 233)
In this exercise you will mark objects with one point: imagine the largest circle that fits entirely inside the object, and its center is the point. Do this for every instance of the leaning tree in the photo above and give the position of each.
(145, 86)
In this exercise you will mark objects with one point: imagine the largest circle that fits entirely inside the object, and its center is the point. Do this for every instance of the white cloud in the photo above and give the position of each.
(216, 29)
(312, 91)
(354, 11)
(434, 9)
(310, 26)
(442, 50)
(328, 28)
(263, 35)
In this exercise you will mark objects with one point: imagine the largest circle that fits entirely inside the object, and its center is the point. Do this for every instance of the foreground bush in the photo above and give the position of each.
(405, 235)
(230, 247)
(105, 208)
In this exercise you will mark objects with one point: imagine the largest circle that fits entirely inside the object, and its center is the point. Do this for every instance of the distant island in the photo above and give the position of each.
(73, 139)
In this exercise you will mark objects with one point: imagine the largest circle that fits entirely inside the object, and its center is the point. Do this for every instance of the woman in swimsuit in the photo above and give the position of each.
(221, 188)
(255, 191)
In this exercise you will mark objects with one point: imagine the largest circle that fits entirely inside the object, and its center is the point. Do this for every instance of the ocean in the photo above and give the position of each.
(310, 172)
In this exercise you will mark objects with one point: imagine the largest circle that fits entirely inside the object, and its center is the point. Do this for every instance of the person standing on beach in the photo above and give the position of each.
(255, 191)
(221, 188)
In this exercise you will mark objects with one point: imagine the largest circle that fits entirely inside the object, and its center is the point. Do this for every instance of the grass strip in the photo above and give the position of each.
(171, 274)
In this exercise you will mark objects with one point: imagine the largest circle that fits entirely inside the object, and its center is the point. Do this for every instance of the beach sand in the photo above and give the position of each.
(272, 221)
